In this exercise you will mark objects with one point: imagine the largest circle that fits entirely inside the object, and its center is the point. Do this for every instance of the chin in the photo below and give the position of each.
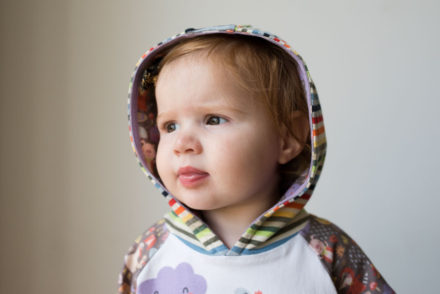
(196, 204)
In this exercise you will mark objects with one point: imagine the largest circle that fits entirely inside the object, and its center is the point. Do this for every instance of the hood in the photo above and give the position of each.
(272, 225)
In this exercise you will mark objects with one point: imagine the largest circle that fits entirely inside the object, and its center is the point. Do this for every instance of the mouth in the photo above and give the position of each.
(191, 177)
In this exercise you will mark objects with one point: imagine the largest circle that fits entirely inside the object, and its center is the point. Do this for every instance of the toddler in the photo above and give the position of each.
(226, 123)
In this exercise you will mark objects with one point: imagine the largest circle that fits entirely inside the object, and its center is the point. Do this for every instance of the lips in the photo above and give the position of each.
(191, 177)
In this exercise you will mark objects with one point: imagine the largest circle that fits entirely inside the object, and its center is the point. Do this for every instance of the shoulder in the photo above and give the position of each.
(140, 253)
(349, 267)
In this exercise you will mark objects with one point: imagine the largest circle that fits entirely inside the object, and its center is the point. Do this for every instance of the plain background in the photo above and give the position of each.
(73, 198)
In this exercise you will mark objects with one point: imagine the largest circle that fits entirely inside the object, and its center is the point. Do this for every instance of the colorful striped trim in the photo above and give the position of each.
(275, 232)
(196, 233)
(276, 228)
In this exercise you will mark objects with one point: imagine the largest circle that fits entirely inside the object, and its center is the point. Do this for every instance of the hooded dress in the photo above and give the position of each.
(285, 250)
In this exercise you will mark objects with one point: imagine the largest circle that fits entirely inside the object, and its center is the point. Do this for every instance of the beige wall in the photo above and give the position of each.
(73, 198)
(67, 213)
(33, 143)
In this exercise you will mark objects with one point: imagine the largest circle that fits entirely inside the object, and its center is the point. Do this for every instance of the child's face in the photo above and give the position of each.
(218, 146)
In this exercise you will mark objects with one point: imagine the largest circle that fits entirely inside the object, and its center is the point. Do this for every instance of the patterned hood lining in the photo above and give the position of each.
(145, 136)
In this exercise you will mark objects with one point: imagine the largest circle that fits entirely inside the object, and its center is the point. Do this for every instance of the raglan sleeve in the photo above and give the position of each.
(139, 254)
(350, 269)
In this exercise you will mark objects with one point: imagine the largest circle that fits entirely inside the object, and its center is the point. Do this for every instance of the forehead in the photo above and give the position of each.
(200, 77)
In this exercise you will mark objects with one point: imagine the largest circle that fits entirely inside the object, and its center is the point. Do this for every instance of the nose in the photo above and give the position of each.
(187, 143)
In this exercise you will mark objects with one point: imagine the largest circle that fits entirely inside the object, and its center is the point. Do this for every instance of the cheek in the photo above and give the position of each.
(257, 164)
(253, 148)
(240, 160)
(161, 162)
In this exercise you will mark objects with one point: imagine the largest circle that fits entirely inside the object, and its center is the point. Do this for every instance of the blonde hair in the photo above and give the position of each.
(265, 70)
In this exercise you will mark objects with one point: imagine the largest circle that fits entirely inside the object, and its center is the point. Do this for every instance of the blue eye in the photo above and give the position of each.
(170, 127)
(215, 120)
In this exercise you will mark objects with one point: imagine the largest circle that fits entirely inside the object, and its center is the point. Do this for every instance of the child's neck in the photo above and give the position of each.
(230, 223)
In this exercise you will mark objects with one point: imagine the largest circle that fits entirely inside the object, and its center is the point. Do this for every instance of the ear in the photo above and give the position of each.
(293, 138)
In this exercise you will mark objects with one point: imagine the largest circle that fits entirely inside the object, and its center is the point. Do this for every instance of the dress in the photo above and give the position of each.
(285, 250)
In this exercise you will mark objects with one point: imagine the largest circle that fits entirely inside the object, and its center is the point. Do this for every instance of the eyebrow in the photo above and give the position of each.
(214, 108)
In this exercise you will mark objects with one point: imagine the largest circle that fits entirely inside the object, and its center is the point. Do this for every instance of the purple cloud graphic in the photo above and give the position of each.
(181, 280)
